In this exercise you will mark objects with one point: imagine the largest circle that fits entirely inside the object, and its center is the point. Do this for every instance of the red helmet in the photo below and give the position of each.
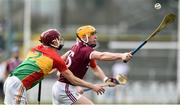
(52, 37)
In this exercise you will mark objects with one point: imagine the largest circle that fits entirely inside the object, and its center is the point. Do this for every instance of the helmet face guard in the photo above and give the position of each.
(90, 45)
(85, 32)
(52, 38)
(57, 43)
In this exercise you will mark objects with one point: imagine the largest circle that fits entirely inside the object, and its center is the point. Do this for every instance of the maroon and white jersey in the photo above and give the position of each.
(78, 61)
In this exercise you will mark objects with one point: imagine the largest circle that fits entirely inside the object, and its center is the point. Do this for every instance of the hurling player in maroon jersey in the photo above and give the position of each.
(78, 59)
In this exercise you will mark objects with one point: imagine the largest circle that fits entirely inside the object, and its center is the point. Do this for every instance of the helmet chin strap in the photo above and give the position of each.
(86, 42)
(59, 46)
(92, 45)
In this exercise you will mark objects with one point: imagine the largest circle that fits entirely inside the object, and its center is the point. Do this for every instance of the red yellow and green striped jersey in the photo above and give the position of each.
(38, 63)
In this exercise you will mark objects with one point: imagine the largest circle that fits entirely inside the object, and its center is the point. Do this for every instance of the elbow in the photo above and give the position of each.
(72, 81)
(69, 76)
(101, 56)
(105, 57)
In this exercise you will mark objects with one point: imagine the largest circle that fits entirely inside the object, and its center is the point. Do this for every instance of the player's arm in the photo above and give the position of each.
(100, 73)
(108, 56)
(52, 71)
(62, 68)
(97, 70)
(64, 57)
(79, 82)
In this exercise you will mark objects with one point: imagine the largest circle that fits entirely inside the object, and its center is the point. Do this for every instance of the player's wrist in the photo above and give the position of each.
(105, 79)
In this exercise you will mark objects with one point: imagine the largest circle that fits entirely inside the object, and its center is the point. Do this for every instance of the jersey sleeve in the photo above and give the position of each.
(58, 62)
(93, 63)
(87, 52)
(60, 65)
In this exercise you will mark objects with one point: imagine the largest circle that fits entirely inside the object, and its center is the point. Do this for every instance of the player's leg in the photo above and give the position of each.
(63, 93)
(55, 94)
(84, 100)
(15, 93)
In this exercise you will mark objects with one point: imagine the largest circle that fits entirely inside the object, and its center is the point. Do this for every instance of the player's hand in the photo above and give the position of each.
(126, 56)
(98, 89)
(79, 89)
(112, 82)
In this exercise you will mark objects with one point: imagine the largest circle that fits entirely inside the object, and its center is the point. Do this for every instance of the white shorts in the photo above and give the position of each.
(15, 92)
(63, 93)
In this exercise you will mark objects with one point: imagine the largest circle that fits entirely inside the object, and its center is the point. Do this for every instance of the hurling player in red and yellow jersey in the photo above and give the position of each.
(79, 58)
(40, 61)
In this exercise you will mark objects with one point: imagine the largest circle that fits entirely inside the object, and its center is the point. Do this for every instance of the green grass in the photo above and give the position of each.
(1, 101)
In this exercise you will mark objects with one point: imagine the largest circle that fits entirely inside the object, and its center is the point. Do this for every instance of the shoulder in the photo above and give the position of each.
(48, 51)
(87, 49)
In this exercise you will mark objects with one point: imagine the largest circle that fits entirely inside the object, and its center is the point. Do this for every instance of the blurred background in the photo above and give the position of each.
(121, 25)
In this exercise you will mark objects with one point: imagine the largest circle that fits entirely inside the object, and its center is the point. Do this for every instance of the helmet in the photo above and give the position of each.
(85, 30)
(52, 38)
